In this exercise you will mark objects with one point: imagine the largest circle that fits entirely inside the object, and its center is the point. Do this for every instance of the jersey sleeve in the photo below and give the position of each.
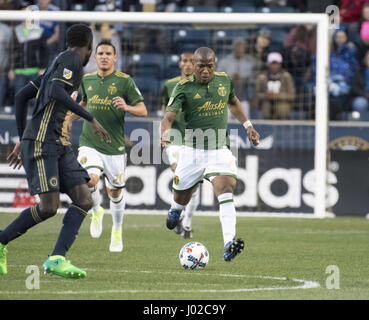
(67, 69)
(132, 94)
(176, 99)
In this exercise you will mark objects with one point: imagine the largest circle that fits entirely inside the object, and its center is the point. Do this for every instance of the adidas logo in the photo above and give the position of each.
(197, 96)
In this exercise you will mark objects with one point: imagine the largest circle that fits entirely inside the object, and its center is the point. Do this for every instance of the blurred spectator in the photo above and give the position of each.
(360, 88)
(260, 48)
(343, 64)
(363, 44)
(5, 36)
(104, 32)
(350, 10)
(343, 56)
(275, 90)
(241, 68)
(28, 54)
(275, 3)
(304, 37)
(131, 5)
(51, 29)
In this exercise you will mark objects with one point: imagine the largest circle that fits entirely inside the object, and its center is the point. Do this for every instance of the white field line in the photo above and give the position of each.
(302, 284)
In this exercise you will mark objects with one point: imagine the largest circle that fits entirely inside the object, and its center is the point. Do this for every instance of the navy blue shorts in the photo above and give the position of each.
(51, 167)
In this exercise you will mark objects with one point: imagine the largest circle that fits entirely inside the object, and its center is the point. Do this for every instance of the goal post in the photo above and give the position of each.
(321, 20)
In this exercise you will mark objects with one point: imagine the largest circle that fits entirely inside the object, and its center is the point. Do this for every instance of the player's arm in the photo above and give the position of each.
(138, 110)
(59, 94)
(165, 126)
(74, 116)
(28, 92)
(236, 108)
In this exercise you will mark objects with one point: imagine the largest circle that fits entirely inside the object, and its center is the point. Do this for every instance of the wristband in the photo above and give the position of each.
(247, 124)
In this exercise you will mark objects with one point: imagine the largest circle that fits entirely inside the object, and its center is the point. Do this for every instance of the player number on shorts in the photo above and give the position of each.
(118, 178)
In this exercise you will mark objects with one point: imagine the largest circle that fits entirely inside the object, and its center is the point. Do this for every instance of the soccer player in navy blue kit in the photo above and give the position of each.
(46, 153)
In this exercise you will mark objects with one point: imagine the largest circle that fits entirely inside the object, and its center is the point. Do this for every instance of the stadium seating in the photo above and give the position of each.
(145, 64)
(171, 66)
(149, 87)
(190, 40)
(200, 9)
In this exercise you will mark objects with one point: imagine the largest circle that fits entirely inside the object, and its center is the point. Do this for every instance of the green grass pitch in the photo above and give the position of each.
(284, 258)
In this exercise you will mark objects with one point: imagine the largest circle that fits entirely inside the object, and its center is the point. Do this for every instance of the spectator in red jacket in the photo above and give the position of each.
(350, 10)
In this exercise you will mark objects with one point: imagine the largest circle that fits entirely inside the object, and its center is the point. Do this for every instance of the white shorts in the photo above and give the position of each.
(111, 166)
(172, 151)
(196, 164)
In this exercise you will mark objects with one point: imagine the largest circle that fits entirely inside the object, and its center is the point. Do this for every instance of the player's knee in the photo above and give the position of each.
(86, 203)
(227, 188)
(94, 180)
(115, 195)
(47, 210)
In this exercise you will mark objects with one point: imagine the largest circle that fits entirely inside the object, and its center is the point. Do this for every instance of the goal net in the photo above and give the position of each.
(285, 175)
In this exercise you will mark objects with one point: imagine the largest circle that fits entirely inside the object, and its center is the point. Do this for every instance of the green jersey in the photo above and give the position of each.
(98, 93)
(205, 108)
(179, 123)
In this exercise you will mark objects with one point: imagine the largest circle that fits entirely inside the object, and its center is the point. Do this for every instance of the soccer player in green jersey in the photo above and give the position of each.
(184, 226)
(108, 95)
(205, 98)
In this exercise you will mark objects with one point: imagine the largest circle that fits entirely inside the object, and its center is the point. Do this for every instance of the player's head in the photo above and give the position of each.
(186, 64)
(105, 55)
(204, 61)
(80, 36)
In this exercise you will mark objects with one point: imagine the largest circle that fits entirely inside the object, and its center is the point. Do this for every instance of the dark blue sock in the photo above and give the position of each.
(72, 221)
(26, 220)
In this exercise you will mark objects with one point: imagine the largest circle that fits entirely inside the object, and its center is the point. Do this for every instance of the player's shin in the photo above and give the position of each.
(117, 206)
(227, 215)
(96, 198)
(72, 221)
(190, 209)
(26, 220)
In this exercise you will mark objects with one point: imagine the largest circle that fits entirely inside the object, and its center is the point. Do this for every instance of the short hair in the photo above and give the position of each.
(204, 53)
(78, 35)
(105, 42)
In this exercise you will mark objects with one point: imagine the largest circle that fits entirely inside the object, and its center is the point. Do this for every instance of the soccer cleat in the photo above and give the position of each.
(187, 233)
(116, 243)
(96, 223)
(173, 218)
(232, 248)
(57, 265)
(179, 228)
(3, 252)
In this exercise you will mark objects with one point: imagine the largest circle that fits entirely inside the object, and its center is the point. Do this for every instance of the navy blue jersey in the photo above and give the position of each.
(49, 119)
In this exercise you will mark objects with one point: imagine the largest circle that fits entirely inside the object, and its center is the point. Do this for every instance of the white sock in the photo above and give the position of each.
(117, 207)
(96, 198)
(190, 209)
(176, 206)
(227, 215)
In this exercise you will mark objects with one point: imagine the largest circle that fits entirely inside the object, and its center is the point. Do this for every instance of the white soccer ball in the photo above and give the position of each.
(194, 255)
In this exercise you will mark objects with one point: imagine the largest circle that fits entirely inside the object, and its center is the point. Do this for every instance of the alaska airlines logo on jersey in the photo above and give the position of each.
(222, 91)
(97, 100)
(208, 106)
(112, 89)
(67, 74)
